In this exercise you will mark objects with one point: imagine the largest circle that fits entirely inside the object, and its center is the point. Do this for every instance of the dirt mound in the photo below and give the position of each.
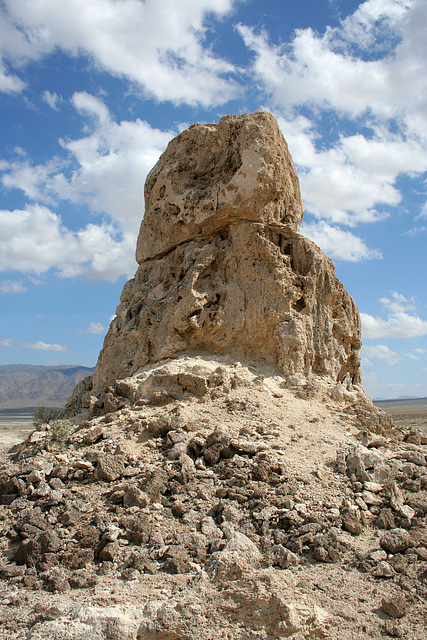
(214, 502)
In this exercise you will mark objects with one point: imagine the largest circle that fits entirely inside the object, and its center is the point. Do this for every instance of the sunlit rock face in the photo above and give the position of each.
(223, 268)
(212, 175)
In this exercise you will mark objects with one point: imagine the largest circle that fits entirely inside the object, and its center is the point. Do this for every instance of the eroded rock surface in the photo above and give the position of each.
(214, 174)
(223, 268)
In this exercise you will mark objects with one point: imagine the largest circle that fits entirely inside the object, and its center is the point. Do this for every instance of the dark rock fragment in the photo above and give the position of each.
(109, 468)
(351, 523)
(396, 540)
(394, 606)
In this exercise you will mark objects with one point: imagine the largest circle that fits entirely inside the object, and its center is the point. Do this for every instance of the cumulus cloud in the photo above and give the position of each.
(367, 71)
(105, 170)
(9, 83)
(52, 99)
(379, 352)
(119, 37)
(351, 68)
(37, 182)
(43, 346)
(112, 163)
(339, 244)
(35, 240)
(338, 184)
(6, 343)
(397, 302)
(398, 323)
(350, 182)
(95, 328)
(15, 46)
(12, 286)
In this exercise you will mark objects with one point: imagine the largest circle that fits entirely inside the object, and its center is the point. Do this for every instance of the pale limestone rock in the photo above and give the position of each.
(214, 174)
(223, 269)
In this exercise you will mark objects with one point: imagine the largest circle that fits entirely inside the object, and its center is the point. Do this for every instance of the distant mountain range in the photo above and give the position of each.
(395, 399)
(28, 386)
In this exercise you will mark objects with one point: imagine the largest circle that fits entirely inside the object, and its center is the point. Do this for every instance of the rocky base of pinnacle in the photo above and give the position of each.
(215, 503)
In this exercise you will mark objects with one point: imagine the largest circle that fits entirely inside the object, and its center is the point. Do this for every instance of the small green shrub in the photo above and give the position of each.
(45, 415)
(60, 430)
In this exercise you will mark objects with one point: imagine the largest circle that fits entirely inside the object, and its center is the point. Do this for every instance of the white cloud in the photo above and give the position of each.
(43, 346)
(339, 244)
(9, 83)
(379, 352)
(95, 328)
(52, 99)
(351, 68)
(398, 324)
(105, 170)
(398, 302)
(120, 37)
(385, 154)
(12, 286)
(411, 356)
(39, 182)
(371, 17)
(348, 182)
(112, 163)
(35, 240)
(6, 343)
(420, 351)
(367, 70)
(415, 231)
(423, 212)
(13, 45)
(334, 186)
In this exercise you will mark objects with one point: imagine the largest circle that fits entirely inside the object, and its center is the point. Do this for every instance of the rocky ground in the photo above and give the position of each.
(12, 434)
(212, 502)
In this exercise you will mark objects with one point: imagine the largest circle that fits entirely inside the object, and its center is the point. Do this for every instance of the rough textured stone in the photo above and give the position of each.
(351, 523)
(215, 545)
(134, 497)
(109, 468)
(223, 268)
(212, 175)
(224, 516)
(396, 540)
(394, 606)
(383, 570)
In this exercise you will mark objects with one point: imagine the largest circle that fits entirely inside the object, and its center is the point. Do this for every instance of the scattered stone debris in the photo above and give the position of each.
(216, 493)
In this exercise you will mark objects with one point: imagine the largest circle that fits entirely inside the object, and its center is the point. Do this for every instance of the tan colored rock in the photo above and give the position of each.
(212, 175)
(223, 269)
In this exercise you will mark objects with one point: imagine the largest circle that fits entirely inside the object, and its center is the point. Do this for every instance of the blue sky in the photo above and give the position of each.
(91, 91)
